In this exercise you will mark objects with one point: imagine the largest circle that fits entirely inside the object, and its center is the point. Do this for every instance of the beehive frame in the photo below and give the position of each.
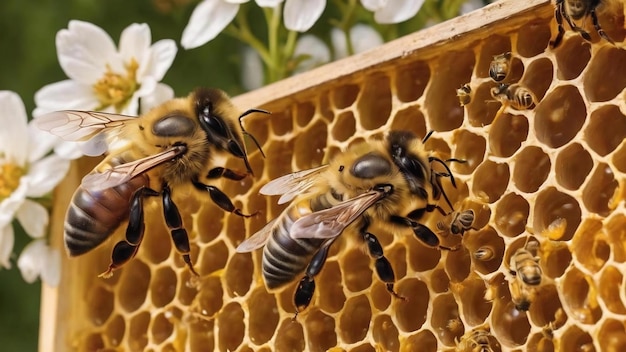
(564, 159)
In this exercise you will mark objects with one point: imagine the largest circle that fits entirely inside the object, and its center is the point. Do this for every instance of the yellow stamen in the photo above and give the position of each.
(115, 89)
(10, 175)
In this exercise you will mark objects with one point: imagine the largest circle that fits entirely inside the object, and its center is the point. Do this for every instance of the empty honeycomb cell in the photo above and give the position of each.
(471, 296)
(559, 116)
(397, 258)
(310, 145)
(411, 313)
(612, 336)
(606, 129)
(533, 38)
(572, 58)
(545, 305)
(421, 257)
(616, 231)
(133, 286)
(161, 329)
(582, 300)
(304, 113)
(201, 335)
(551, 205)
(238, 275)
(209, 300)
(187, 290)
(356, 269)
(114, 331)
(344, 95)
(411, 80)
(374, 103)
(538, 77)
(379, 295)
(484, 107)
(439, 280)
(496, 45)
(453, 71)
(213, 258)
(590, 246)
(385, 333)
(330, 290)
(507, 134)
(422, 341)
(410, 119)
(538, 342)
(93, 342)
(491, 180)
(100, 304)
(258, 126)
(602, 65)
(231, 327)
(609, 288)
(163, 286)
(157, 245)
(320, 331)
(600, 189)
(264, 317)
(573, 165)
(281, 122)
(511, 326)
(276, 154)
(619, 158)
(555, 258)
(344, 126)
(457, 265)
(209, 222)
(532, 167)
(448, 311)
(354, 321)
(469, 147)
(289, 336)
(487, 238)
(575, 339)
(138, 331)
(363, 348)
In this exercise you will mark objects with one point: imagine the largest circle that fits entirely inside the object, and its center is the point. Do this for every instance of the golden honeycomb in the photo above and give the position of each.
(555, 173)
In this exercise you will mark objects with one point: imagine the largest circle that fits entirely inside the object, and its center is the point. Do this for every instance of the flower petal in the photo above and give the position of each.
(14, 130)
(397, 11)
(45, 174)
(374, 5)
(252, 74)
(135, 42)
(208, 19)
(9, 205)
(84, 50)
(7, 241)
(51, 272)
(64, 95)
(161, 93)
(41, 142)
(301, 15)
(268, 3)
(33, 217)
(313, 51)
(32, 260)
(364, 37)
(69, 150)
(159, 60)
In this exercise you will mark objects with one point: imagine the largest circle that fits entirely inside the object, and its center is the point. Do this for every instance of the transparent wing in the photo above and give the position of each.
(290, 185)
(97, 181)
(77, 125)
(329, 223)
(257, 240)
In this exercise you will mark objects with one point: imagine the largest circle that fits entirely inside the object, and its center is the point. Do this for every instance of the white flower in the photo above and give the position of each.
(210, 17)
(25, 172)
(39, 259)
(312, 52)
(363, 38)
(106, 78)
(392, 11)
(301, 15)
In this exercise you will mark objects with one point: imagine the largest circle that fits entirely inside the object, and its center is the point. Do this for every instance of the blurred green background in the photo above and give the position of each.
(28, 62)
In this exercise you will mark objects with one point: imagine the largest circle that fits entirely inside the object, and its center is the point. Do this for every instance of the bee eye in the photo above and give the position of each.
(371, 166)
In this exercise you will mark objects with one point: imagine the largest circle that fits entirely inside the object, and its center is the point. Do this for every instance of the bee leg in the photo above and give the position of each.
(559, 21)
(125, 250)
(304, 292)
(218, 172)
(382, 264)
(175, 225)
(596, 25)
(221, 199)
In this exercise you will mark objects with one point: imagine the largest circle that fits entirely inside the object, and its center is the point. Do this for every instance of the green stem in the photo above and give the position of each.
(276, 65)
(241, 31)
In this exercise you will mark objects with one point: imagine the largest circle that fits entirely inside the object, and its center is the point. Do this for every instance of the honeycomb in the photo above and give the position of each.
(554, 173)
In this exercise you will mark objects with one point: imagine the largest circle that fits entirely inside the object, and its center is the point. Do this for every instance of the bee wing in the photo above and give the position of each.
(329, 223)
(122, 173)
(77, 125)
(290, 185)
(257, 240)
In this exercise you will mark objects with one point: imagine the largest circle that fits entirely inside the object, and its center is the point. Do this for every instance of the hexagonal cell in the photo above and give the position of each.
(161, 328)
(610, 286)
(345, 95)
(201, 335)
(590, 245)
(491, 180)
(606, 129)
(411, 80)
(356, 269)
(374, 103)
(532, 167)
(157, 246)
(239, 273)
(572, 58)
(137, 331)
(496, 45)
(411, 313)
(573, 165)
(616, 232)
(354, 321)
(507, 323)
(602, 65)
(100, 304)
(619, 158)
(471, 297)
(448, 310)
(209, 299)
(209, 222)
(469, 147)
(264, 318)
(453, 70)
(574, 338)
(93, 342)
(559, 116)
(439, 280)
(320, 330)
(538, 77)
(533, 38)
(231, 327)
(421, 257)
(304, 113)
(278, 154)
(163, 286)
(115, 330)
(582, 298)
(290, 336)
(486, 239)
(213, 258)
(330, 297)
(507, 134)
(385, 333)
(187, 290)
(422, 341)
(310, 145)
(281, 122)
(343, 126)
(599, 191)
(483, 108)
(552, 205)
(133, 286)
(410, 119)
(457, 265)
(612, 336)
(545, 306)
(555, 257)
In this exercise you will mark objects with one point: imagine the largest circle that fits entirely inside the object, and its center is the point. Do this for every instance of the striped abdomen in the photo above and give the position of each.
(93, 216)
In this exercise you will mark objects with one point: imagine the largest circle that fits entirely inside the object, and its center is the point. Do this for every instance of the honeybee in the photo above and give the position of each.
(476, 340)
(518, 97)
(150, 155)
(500, 66)
(484, 253)
(527, 274)
(573, 10)
(461, 222)
(521, 295)
(388, 181)
(464, 94)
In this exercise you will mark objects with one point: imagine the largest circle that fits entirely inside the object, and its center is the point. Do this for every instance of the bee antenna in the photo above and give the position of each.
(427, 136)
(432, 158)
(245, 133)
